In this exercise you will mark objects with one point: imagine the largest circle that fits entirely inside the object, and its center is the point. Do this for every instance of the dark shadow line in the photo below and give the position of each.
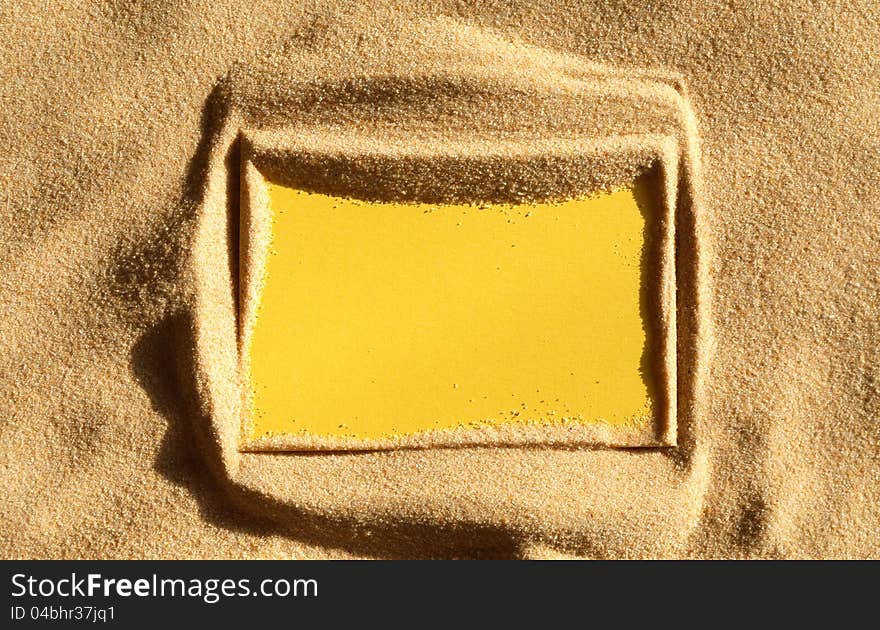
(649, 196)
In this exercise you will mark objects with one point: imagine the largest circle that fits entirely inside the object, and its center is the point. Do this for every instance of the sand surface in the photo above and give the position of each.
(124, 131)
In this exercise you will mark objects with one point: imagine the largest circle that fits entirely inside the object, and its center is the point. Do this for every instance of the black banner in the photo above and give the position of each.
(230, 594)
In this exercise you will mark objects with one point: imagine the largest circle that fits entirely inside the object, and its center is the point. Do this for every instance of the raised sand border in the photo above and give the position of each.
(559, 102)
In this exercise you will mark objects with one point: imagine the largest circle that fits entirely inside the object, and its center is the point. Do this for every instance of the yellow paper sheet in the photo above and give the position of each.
(387, 319)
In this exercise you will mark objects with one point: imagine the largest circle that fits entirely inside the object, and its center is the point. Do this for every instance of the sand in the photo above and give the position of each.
(125, 130)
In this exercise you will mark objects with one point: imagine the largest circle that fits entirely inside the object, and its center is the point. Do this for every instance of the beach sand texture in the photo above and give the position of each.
(124, 300)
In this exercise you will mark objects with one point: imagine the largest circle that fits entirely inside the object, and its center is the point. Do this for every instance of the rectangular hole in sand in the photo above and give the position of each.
(386, 322)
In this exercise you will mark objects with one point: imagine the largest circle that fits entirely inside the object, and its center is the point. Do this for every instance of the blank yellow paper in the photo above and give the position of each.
(387, 319)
